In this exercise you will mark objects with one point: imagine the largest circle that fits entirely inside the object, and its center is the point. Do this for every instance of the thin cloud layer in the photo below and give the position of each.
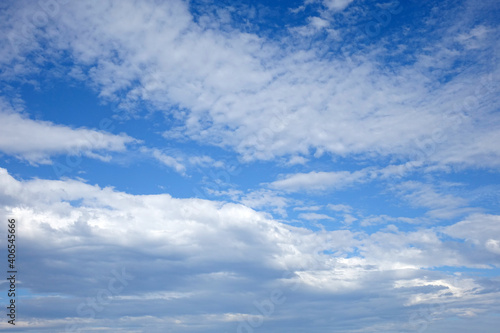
(36, 141)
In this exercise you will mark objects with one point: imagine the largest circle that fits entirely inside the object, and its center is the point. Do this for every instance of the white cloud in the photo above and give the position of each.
(264, 199)
(335, 180)
(482, 152)
(475, 37)
(170, 161)
(348, 219)
(384, 219)
(314, 216)
(200, 265)
(318, 181)
(319, 23)
(214, 250)
(337, 5)
(37, 141)
(264, 99)
(340, 208)
(315, 25)
(441, 205)
(205, 161)
(481, 229)
(297, 160)
(260, 199)
(310, 208)
(181, 162)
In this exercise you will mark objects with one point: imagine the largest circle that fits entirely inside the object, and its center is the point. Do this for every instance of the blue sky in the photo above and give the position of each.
(264, 166)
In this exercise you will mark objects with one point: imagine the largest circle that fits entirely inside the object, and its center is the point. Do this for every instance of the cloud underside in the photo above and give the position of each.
(197, 262)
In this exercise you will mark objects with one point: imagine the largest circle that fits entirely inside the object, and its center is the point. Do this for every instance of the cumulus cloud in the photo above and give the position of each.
(184, 253)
